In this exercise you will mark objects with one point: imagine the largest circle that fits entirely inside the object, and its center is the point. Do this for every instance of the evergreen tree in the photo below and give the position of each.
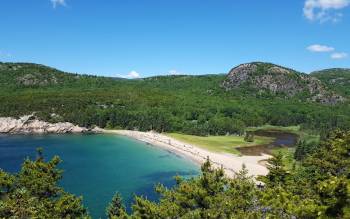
(34, 193)
(116, 208)
(277, 172)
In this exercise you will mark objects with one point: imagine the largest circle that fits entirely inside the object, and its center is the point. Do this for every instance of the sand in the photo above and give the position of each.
(231, 163)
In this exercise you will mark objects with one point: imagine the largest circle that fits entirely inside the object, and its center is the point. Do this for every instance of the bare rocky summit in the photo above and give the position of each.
(266, 77)
(30, 125)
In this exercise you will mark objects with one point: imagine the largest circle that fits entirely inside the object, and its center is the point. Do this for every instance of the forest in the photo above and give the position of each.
(195, 105)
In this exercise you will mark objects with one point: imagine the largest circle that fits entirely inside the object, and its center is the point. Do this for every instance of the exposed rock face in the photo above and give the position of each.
(31, 125)
(279, 80)
(31, 79)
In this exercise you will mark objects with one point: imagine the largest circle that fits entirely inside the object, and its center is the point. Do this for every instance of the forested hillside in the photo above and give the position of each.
(190, 104)
(27, 75)
(337, 79)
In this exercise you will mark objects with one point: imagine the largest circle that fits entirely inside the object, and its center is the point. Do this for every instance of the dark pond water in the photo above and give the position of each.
(282, 139)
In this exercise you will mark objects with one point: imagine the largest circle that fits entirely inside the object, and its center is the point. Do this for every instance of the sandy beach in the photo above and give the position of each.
(231, 163)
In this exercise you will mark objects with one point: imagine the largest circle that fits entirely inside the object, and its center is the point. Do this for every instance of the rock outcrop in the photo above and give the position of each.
(34, 79)
(278, 80)
(31, 125)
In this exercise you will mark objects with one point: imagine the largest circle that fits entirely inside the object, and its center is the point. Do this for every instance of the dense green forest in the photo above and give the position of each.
(189, 104)
(317, 188)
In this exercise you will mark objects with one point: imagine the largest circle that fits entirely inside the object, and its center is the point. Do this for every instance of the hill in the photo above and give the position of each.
(200, 105)
(25, 75)
(336, 79)
(273, 79)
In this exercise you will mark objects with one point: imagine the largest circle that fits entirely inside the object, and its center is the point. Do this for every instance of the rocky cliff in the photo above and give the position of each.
(266, 77)
(31, 125)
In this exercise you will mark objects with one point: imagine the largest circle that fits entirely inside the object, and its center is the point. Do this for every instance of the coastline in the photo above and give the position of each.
(230, 163)
(29, 124)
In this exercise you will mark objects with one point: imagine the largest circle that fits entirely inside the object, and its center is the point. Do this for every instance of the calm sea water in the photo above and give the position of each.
(96, 166)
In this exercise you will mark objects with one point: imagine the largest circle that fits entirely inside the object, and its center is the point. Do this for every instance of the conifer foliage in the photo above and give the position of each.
(34, 193)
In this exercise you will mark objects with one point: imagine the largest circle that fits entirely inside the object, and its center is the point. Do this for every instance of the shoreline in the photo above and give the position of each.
(230, 163)
(29, 124)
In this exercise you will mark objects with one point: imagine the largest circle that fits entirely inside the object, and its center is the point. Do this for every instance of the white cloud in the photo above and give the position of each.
(174, 72)
(339, 55)
(56, 3)
(320, 48)
(324, 10)
(133, 74)
(325, 49)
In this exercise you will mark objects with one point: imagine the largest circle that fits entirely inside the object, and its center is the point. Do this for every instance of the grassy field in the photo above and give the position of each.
(226, 144)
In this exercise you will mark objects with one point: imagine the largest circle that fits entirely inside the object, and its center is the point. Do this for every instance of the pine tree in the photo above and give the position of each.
(34, 192)
(277, 173)
(116, 208)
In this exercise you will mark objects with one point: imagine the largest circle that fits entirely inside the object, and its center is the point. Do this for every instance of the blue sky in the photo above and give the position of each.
(151, 37)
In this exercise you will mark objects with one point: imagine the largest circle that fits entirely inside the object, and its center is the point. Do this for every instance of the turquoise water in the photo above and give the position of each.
(96, 166)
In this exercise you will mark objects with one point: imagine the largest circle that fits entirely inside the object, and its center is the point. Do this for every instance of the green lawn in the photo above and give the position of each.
(225, 144)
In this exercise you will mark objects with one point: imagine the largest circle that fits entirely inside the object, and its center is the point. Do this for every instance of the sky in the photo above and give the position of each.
(141, 38)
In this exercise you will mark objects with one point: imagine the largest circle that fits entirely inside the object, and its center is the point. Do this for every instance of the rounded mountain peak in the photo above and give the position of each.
(264, 77)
